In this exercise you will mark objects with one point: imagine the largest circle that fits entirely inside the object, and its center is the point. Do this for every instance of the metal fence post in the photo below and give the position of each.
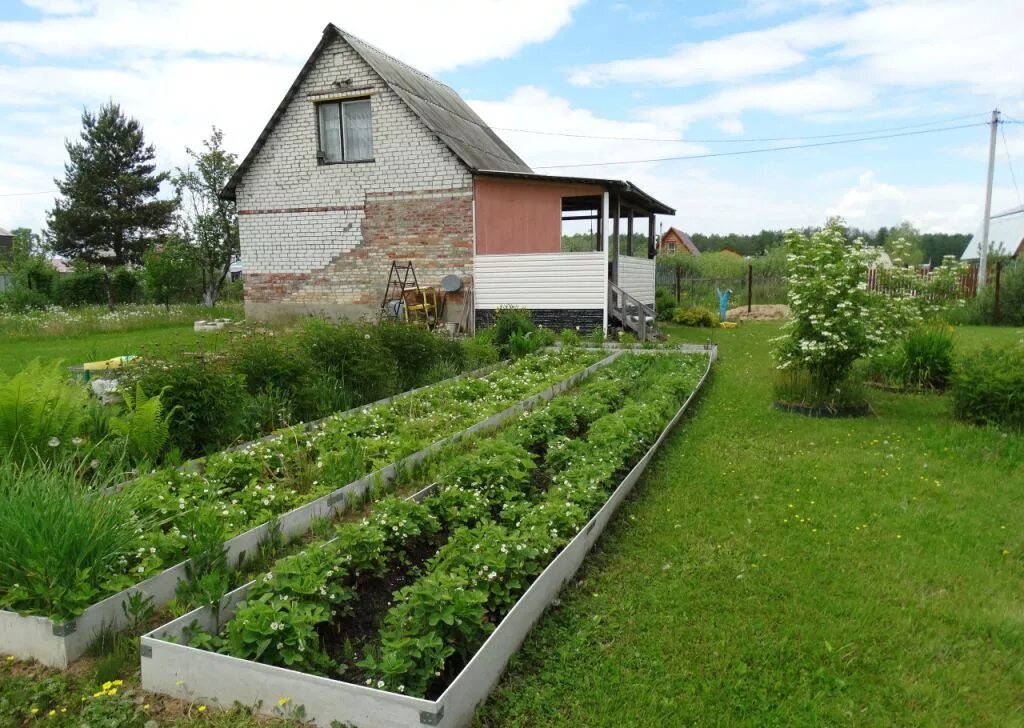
(750, 286)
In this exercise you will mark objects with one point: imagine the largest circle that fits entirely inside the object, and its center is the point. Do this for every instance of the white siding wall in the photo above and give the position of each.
(636, 277)
(542, 280)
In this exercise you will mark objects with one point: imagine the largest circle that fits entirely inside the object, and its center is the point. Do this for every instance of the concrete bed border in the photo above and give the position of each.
(58, 644)
(188, 673)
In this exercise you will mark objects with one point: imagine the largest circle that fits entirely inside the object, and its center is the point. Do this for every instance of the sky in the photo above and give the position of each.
(580, 87)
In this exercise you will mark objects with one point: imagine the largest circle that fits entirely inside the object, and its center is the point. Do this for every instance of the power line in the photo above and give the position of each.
(1009, 161)
(761, 150)
(24, 194)
(734, 140)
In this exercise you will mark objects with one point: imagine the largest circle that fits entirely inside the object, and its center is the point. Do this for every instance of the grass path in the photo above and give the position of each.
(778, 570)
(15, 354)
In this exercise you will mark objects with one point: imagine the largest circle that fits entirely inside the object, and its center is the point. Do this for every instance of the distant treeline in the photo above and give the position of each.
(930, 247)
(926, 247)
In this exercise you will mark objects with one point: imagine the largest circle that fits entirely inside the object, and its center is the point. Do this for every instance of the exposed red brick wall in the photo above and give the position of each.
(434, 230)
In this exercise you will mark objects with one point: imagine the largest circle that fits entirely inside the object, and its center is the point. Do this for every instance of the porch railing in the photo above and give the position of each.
(630, 312)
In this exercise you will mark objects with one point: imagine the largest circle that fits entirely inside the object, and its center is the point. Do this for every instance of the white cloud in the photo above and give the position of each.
(434, 36)
(730, 126)
(821, 91)
(932, 208)
(181, 66)
(533, 108)
(888, 44)
(734, 58)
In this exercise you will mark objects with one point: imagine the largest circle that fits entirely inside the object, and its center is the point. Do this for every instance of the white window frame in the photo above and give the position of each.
(341, 103)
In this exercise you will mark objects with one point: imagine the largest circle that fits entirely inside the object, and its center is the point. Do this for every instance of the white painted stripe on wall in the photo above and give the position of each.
(636, 277)
(541, 280)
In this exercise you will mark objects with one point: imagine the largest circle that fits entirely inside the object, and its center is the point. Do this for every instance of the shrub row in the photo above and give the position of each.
(266, 380)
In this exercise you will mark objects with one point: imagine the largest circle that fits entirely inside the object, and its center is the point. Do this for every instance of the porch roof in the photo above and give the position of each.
(631, 194)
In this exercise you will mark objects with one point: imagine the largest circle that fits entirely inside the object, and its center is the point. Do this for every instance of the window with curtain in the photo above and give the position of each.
(346, 131)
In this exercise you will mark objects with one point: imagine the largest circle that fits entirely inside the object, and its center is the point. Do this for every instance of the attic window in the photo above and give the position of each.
(346, 131)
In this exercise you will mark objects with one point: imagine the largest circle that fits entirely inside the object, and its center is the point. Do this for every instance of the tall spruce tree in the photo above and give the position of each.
(108, 212)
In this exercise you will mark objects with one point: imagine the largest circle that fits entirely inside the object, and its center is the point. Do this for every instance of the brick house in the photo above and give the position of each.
(367, 160)
(676, 241)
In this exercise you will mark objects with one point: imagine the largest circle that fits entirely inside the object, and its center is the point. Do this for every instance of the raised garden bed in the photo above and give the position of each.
(492, 400)
(585, 477)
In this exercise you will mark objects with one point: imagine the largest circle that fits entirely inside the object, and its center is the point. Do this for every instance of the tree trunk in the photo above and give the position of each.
(210, 296)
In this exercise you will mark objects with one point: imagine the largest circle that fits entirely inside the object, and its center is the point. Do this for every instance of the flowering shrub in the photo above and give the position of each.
(836, 319)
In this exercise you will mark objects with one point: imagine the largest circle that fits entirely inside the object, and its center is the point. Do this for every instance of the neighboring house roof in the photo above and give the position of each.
(438, 106)
(60, 265)
(730, 251)
(1005, 236)
(685, 239)
(5, 233)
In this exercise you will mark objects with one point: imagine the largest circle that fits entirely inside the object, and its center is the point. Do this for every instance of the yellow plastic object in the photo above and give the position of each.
(728, 324)
(116, 363)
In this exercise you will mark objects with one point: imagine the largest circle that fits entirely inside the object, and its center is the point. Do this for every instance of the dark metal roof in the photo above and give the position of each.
(441, 109)
(630, 193)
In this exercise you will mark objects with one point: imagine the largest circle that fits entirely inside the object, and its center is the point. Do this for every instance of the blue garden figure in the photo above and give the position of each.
(723, 302)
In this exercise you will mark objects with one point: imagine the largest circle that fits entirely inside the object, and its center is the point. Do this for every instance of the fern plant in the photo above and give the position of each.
(144, 427)
(41, 413)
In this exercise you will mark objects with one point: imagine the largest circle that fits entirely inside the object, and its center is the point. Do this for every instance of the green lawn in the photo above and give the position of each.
(769, 570)
(778, 570)
(14, 354)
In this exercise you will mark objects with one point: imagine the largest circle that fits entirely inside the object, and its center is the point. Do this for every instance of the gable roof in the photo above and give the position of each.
(4, 233)
(687, 242)
(1005, 236)
(438, 106)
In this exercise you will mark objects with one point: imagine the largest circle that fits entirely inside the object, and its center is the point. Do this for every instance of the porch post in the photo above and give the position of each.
(651, 250)
(615, 239)
(602, 224)
(629, 233)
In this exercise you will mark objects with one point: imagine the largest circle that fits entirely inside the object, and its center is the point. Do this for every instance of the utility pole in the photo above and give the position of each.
(983, 251)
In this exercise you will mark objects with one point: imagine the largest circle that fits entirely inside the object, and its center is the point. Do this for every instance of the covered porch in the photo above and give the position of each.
(603, 273)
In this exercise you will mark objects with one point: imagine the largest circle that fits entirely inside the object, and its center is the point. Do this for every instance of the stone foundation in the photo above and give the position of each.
(587, 319)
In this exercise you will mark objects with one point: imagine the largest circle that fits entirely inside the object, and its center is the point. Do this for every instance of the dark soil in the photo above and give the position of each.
(347, 639)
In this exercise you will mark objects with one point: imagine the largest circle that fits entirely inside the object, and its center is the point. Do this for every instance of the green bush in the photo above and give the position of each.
(928, 358)
(922, 360)
(480, 351)
(207, 400)
(509, 322)
(665, 304)
(694, 316)
(416, 351)
(279, 373)
(354, 356)
(17, 300)
(1011, 298)
(85, 285)
(988, 387)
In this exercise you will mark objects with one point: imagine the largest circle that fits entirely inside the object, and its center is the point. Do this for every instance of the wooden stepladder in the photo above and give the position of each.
(405, 300)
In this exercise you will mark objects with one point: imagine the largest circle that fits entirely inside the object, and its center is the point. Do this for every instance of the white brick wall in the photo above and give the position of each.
(286, 175)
